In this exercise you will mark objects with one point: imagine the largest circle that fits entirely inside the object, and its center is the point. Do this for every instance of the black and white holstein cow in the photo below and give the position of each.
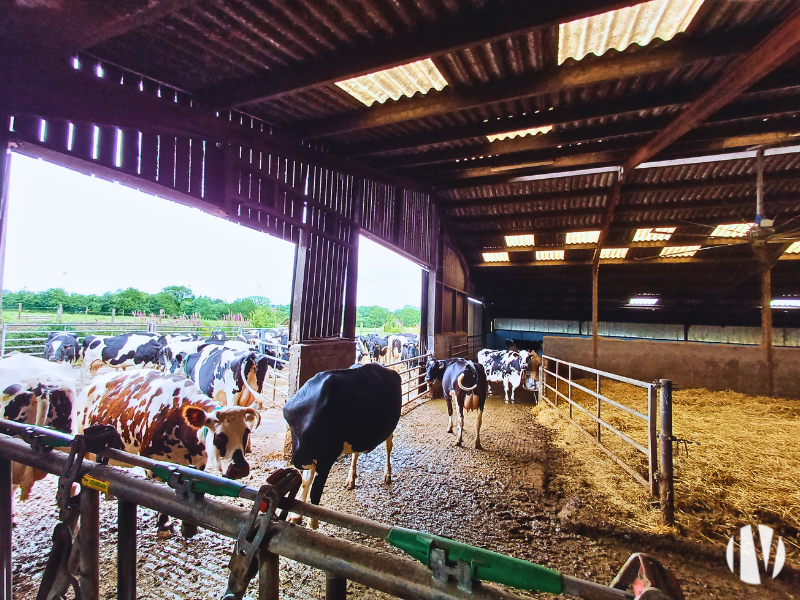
(121, 352)
(62, 347)
(464, 383)
(362, 349)
(167, 417)
(378, 348)
(177, 348)
(343, 411)
(508, 368)
(231, 377)
(37, 392)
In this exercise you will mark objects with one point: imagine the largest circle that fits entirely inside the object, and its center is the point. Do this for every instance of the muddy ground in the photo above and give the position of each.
(520, 495)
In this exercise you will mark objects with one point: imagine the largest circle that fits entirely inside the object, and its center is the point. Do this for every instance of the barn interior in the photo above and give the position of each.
(566, 168)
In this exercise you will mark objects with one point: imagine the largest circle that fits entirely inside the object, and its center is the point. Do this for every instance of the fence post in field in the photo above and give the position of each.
(59, 313)
(113, 314)
(19, 311)
(665, 478)
(3, 341)
(87, 311)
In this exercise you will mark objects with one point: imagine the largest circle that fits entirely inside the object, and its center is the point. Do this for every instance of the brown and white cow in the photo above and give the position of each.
(167, 417)
(37, 392)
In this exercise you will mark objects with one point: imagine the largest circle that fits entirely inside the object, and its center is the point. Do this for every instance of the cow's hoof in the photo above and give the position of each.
(458, 443)
(313, 524)
(387, 479)
(296, 520)
(507, 402)
(188, 530)
(478, 446)
(450, 430)
(164, 534)
(349, 484)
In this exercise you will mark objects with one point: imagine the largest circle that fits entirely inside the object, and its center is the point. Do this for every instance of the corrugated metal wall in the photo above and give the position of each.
(782, 336)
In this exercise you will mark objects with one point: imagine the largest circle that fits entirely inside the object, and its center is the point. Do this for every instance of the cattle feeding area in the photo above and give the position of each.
(736, 459)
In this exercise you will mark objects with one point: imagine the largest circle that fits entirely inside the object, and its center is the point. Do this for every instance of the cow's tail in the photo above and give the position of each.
(461, 385)
(252, 391)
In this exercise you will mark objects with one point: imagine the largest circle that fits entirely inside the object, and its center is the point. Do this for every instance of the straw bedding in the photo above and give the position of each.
(745, 470)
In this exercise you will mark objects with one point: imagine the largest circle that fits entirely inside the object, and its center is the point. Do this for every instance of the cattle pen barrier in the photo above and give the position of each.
(659, 480)
(444, 569)
(412, 375)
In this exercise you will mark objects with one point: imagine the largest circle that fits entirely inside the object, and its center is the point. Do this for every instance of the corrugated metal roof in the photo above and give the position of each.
(406, 80)
(618, 29)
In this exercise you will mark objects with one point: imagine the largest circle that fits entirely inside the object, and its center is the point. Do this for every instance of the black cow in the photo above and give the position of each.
(217, 335)
(61, 346)
(362, 349)
(410, 350)
(378, 347)
(464, 383)
(342, 411)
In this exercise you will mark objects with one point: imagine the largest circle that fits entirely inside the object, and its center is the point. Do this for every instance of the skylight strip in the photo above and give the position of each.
(653, 234)
(614, 252)
(495, 257)
(405, 80)
(679, 251)
(583, 237)
(793, 249)
(520, 133)
(733, 230)
(549, 255)
(520, 240)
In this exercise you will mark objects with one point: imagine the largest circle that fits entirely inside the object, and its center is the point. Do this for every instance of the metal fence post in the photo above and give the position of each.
(652, 438)
(665, 477)
(126, 551)
(3, 341)
(597, 390)
(268, 575)
(89, 539)
(335, 587)
(5, 528)
(569, 389)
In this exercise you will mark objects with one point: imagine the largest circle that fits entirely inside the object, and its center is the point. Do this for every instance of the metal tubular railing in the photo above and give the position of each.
(340, 559)
(417, 366)
(459, 350)
(656, 479)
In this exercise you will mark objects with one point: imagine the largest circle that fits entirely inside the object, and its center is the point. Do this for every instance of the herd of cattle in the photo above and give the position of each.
(189, 400)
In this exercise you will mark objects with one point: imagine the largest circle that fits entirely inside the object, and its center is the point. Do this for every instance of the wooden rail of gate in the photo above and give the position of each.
(659, 400)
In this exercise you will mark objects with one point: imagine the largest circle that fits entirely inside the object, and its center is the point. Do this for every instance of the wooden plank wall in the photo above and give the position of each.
(269, 192)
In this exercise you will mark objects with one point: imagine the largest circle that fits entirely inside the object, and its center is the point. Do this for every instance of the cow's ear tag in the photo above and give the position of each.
(195, 416)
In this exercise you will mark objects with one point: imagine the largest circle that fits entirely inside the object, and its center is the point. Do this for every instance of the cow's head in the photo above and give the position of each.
(434, 369)
(228, 431)
(218, 335)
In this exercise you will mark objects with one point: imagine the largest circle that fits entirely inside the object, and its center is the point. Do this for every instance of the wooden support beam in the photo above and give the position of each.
(678, 53)
(777, 47)
(5, 177)
(57, 92)
(468, 28)
(508, 203)
(717, 127)
(351, 282)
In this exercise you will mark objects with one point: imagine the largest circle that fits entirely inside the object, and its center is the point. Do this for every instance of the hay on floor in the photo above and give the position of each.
(746, 469)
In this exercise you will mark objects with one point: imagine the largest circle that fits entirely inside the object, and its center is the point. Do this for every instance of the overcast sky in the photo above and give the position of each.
(91, 236)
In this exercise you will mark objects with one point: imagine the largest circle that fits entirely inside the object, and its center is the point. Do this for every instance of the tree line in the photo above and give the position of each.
(176, 300)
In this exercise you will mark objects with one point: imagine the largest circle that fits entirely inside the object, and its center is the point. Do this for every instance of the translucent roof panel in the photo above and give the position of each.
(406, 80)
(613, 252)
(520, 133)
(495, 256)
(785, 303)
(734, 230)
(794, 248)
(643, 301)
(583, 237)
(519, 240)
(618, 29)
(549, 255)
(679, 251)
(658, 234)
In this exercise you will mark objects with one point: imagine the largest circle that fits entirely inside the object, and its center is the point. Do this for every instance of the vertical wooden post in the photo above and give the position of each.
(766, 325)
(595, 274)
(113, 313)
(59, 313)
(89, 540)
(665, 476)
(298, 286)
(351, 283)
(652, 437)
(19, 311)
(5, 174)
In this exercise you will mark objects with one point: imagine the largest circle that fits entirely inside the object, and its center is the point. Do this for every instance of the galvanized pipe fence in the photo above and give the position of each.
(412, 374)
(659, 478)
(260, 536)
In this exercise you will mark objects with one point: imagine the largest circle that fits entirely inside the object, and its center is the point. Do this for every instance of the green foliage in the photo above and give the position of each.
(179, 293)
(409, 316)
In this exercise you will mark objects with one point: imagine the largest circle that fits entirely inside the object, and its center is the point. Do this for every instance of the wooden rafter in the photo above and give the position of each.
(451, 33)
(678, 53)
(776, 48)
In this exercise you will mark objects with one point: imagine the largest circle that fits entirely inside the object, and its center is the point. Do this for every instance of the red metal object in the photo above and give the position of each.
(648, 578)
